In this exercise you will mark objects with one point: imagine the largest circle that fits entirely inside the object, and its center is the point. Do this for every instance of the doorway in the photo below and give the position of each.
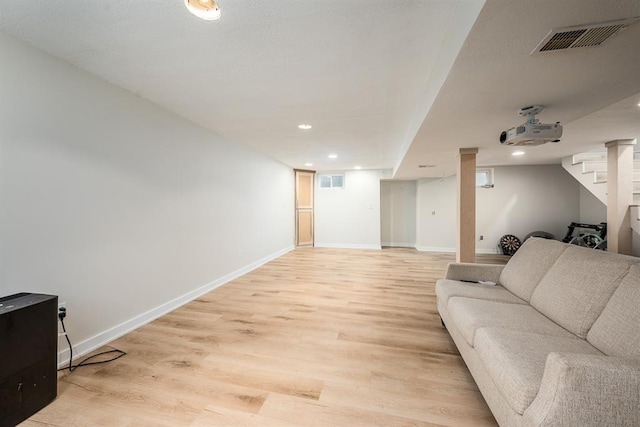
(304, 207)
(398, 213)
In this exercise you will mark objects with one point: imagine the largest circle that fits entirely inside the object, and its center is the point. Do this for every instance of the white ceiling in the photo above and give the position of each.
(364, 73)
(593, 92)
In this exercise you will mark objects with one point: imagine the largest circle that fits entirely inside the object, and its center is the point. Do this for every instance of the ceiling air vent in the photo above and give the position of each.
(588, 35)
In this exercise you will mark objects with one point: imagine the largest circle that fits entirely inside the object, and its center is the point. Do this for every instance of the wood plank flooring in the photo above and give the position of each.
(317, 337)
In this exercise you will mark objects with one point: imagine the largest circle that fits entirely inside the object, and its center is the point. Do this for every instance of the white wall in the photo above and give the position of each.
(436, 214)
(121, 208)
(592, 210)
(398, 213)
(349, 217)
(524, 199)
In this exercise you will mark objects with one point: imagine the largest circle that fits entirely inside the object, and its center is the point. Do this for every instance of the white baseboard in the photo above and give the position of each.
(346, 246)
(435, 249)
(453, 250)
(399, 245)
(488, 251)
(97, 341)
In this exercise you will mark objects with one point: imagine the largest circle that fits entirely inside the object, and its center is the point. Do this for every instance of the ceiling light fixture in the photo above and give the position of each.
(304, 126)
(358, 167)
(308, 164)
(333, 156)
(204, 9)
(518, 153)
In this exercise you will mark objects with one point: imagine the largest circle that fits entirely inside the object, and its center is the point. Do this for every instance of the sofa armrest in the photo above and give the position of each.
(587, 390)
(473, 272)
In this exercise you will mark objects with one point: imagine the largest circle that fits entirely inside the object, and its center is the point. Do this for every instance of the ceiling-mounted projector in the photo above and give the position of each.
(532, 132)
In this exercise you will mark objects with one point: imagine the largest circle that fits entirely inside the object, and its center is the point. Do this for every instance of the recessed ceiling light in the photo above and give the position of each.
(333, 156)
(308, 164)
(358, 167)
(518, 153)
(638, 104)
(204, 9)
(304, 126)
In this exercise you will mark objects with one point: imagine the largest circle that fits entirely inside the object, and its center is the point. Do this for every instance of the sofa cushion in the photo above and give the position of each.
(469, 315)
(617, 331)
(446, 289)
(528, 266)
(515, 360)
(575, 290)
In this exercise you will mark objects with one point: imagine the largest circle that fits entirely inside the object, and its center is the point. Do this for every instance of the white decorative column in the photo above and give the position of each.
(619, 194)
(466, 243)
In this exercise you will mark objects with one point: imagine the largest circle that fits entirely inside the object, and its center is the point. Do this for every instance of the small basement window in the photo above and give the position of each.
(331, 181)
(484, 178)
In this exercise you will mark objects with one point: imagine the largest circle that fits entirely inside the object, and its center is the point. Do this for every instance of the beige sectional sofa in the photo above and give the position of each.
(557, 341)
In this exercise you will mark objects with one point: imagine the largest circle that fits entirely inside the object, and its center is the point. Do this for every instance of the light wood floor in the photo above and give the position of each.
(318, 337)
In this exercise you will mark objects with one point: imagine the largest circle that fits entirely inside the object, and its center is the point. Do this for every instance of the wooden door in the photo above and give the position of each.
(304, 208)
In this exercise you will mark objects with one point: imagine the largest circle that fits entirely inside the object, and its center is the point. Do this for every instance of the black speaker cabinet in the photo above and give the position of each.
(28, 355)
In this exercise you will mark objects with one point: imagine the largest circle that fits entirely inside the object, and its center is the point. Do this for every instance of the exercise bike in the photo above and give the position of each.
(594, 238)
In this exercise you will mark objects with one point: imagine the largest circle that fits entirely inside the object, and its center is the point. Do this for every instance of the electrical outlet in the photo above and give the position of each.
(62, 305)
(481, 237)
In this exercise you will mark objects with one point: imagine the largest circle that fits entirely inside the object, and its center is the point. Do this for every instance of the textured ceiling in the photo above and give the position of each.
(384, 83)
(362, 72)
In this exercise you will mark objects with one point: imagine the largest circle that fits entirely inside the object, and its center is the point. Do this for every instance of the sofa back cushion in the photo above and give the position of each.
(528, 266)
(617, 330)
(578, 286)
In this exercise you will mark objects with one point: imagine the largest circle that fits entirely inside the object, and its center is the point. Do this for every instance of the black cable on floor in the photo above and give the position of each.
(73, 367)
